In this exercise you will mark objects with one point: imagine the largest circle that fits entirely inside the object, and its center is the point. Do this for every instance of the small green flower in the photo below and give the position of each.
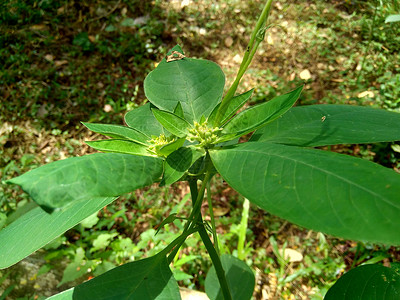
(203, 134)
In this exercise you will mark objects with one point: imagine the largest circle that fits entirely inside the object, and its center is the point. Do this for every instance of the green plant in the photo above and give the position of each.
(189, 132)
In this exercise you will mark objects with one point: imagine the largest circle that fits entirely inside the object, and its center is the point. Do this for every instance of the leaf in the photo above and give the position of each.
(171, 147)
(259, 115)
(170, 219)
(79, 178)
(77, 268)
(178, 111)
(197, 84)
(236, 103)
(174, 124)
(149, 279)
(119, 132)
(178, 162)
(119, 146)
(368, 282)
(324, 191)
(37, 228)
(240, 277)
(320, 125)
(143, 120)
(392, 18)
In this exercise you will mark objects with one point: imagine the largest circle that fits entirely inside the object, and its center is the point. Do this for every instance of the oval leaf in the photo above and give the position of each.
(320, 125)
(240, 278)
(174, 124)
(197, 84)
(149, 278)
(338, 194)
(368, 282)
(97, 175)
(143, 120)
(259, 115)
(37, 228)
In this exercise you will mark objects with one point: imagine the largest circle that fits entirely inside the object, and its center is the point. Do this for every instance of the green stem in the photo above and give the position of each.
(248, 56)
(243, 229)
(216, 262)
(177, 243)
(210, 208)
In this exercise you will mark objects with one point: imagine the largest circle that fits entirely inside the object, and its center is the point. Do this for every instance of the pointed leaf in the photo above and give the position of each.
(119, 132)
(174, 124)
(259, 115)
(170, 219)
(197, 84)
(171, 147)
(240, 277)
(178, 162)
(324, 191)
(368, 282)
(96, 175)
(320, 125)
(37, 228)
(149, 279)
(119, 146)
(234, 105)
(143, 120)
(179, 111)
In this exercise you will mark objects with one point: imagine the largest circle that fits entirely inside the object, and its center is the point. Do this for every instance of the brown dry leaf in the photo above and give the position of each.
(228, 41)
(291, 255)
(220, 211)
(92, 38)
(369, 94)
(49, 57)
(305, 75)
(38, 27)
(58, 63)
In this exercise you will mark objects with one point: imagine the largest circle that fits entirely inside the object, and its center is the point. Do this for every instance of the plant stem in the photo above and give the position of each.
(243, 229)
(216, 262)
(256, 37)
(177, 243)
(210, 208)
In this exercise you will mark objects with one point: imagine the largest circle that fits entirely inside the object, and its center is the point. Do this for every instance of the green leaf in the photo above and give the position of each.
(174, 124)
(178, 162)
(259, 115)
(119, 146)
(178, 111)
(119, 132)
(79, 178)
(143, 120)
(170, 219)
(320, 125)
(197, 84)
(368, 282)
(236, 103)
(240, 277)
(37, 228)
(392, 18)
(171, 147)
(76, 268)
(149, 279)
(324, 191)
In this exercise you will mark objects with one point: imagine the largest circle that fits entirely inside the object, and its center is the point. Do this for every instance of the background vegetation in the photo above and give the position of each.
(62, 62)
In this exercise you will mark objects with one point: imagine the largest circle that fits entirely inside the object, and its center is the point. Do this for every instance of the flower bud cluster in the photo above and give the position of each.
(203, 134)
(157, 142)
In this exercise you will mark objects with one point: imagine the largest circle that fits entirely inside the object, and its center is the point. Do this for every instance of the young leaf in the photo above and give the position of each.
(197, 84)
(372, 282)
(171, 147)
(96, 175)
(240, 277)
(178, 111)
(149, 278)
(259, 115)
(338, 194)
(119, 146)
(37, 228)
(170, 219)
(174, 124)
(236, 103)
(119, 132)
(178, 162)
(143, 120)
(320, 125)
